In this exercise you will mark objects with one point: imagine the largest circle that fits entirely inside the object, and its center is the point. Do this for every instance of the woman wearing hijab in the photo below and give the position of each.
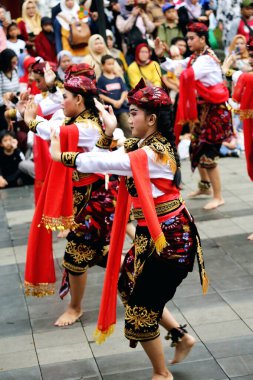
(144, 67)
(45, 41)
(29, 25)
(98, 48)
(68, 14)
(64, 60)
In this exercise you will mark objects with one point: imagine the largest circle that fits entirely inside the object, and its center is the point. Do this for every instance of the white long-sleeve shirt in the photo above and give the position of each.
(118, 163)
(89, 132)
(205, 68)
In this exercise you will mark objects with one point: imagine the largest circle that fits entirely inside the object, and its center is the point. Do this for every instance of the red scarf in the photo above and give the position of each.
(139, 167)
(243, 94)
(54, 210)
(189, 89)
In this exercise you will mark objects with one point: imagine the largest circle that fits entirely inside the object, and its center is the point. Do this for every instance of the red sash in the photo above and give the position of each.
(54, 210)
(139, 167)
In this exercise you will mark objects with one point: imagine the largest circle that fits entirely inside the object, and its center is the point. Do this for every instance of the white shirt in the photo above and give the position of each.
(18, 47)
(205, 68)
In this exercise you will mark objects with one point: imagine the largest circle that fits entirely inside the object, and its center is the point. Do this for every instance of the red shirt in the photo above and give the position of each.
(244, 30)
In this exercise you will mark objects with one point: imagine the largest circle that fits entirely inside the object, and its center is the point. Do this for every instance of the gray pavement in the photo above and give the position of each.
(31, 348)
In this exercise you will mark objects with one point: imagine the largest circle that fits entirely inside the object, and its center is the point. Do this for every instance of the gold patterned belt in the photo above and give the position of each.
(76, 176)
(161, 208)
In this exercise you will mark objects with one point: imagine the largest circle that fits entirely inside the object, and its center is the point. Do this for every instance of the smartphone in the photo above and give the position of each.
(237, 50)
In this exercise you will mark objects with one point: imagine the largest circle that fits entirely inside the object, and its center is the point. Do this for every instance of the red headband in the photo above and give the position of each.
(38, 67)
(83, 69)
(197, 27)
(147, 96)
(81, 85)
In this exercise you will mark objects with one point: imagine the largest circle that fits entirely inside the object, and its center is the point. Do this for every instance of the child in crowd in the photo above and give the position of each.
(116, 93)
(13, 42)
(10, 157)
(170, 29)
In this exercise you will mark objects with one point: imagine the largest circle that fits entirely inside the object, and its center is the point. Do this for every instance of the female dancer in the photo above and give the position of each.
(93, 205)
(202, 97)
(166, 238)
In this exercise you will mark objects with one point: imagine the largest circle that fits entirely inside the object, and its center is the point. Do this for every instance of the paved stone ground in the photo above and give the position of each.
(31, 348)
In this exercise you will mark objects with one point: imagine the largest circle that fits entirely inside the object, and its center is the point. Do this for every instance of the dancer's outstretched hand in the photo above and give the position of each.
(55, 146)
(49, 75)
(159, 47)
(30, 111)
(109, 119)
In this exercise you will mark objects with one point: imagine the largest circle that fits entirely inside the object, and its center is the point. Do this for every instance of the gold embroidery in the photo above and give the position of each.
(130, 144)
(246, 114)
(147, 335)
(161, 209)
(78, 198)
(80, 252)
(39, 290)
(140, 243)
(69, 159)
(33, 125)
(104, 142)
(74, 268)
(140, 317)
(60, 223)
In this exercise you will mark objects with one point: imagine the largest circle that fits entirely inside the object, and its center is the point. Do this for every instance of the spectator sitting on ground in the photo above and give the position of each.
(116, 93)
(230, 148)
(170, 29)
(144, 67)
(13, 42)
(10, 157)
(45, 41)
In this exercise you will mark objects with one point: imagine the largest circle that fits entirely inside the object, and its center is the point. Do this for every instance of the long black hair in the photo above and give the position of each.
(165, 125)
(90, 105)
(6, 56)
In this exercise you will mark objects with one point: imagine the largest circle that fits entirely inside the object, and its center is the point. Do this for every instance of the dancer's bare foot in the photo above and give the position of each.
(161, 377)
(197, 193)
(63, 234)
(214, 203)
(69, 317)
(250, 237)
(183, 348)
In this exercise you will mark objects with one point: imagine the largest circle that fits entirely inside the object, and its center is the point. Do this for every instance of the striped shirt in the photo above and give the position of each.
(8, 84)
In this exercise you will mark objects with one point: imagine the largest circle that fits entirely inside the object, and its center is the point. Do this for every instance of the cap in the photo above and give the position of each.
(246, 3)
(167, 6)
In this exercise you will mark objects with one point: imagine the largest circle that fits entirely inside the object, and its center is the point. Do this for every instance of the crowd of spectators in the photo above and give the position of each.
(66, 32)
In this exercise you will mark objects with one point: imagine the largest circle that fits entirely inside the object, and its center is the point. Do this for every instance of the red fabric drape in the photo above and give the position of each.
(54, 210)
(139, 167)
(243, 94)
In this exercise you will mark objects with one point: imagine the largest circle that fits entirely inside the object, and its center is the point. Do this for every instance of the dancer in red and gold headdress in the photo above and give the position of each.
(202, 103)
(243, 94)
(166, 240)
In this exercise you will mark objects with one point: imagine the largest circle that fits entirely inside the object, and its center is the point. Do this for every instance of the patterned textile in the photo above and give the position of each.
(138, 292)
(147, 96)
(94, 211)
(206, 137)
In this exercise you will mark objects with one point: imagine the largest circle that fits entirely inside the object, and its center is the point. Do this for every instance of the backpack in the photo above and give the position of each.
(79, 33)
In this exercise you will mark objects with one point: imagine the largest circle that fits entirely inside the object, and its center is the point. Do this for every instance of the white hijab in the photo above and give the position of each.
(67, 15)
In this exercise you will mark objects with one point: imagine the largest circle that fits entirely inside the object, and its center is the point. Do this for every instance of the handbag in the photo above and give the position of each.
(79, 34)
